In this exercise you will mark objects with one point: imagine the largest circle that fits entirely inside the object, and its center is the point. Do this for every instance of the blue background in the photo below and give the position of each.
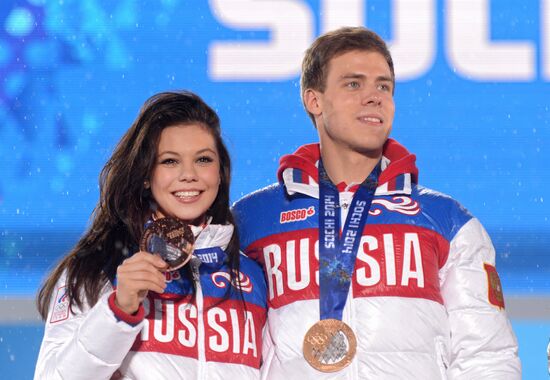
(75, 72)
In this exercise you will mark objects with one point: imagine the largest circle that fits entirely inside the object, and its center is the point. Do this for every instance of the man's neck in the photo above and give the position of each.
(348, 166)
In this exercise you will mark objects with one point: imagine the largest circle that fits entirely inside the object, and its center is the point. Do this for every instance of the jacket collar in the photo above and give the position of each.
(299, 171)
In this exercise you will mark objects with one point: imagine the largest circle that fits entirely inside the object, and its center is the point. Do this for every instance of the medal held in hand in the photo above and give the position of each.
(329, 345)
(171, 239)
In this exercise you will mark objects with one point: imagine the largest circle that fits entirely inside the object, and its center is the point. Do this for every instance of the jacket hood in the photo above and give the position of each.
(298, 171)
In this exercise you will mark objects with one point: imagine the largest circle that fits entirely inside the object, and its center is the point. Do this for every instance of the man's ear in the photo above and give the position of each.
(312, 101)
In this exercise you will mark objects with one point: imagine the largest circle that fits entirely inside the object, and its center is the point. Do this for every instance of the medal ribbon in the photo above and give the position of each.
(337, 253)
(212, 257)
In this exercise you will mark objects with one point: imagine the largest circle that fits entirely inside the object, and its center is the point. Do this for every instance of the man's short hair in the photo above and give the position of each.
(333, 44)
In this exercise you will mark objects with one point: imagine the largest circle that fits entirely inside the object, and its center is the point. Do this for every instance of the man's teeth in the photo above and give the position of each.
(183, 194)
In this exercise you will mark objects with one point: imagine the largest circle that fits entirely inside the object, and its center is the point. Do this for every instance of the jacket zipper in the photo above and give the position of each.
(200, 319)
(441, 357)
(348, 311)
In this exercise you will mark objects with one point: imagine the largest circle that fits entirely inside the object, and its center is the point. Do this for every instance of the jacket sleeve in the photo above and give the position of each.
(268, 352)
(83, 344)
(483, 345)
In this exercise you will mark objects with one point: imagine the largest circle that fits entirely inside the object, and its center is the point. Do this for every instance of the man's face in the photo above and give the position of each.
(355, 112)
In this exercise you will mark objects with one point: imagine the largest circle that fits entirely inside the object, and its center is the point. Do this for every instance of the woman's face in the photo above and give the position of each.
(186, 174)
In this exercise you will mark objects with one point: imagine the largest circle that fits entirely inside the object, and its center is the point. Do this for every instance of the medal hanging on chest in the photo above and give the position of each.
(330, 344)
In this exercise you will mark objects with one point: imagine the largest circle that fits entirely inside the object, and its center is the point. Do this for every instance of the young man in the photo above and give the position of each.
(371, 276)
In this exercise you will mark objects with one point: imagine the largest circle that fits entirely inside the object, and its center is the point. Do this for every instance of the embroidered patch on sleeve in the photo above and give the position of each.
(61, 306)
(495, 288)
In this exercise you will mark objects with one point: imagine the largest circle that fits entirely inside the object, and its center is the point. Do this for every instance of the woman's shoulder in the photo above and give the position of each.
(62, 304)
(249, 266)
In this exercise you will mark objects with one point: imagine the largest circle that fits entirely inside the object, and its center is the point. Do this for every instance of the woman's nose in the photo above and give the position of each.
(188, 173)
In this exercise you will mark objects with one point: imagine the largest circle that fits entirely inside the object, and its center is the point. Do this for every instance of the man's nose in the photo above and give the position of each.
(372, 99)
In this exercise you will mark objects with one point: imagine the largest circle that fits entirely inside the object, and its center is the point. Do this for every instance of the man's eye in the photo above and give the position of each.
(353, 84)
(384, 87)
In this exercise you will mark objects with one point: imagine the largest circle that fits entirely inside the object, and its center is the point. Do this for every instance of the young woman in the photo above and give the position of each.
(115, 311)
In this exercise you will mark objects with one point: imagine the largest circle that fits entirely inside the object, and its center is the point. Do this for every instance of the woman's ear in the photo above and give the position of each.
(146, 184)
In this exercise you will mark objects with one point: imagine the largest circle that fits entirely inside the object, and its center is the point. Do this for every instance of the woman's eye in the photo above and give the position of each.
(168, 161)
(205, 159)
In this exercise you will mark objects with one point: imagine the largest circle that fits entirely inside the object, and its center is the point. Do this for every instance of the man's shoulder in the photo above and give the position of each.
(257, 214)
(435, 198)
(446, 213)
(264, 194)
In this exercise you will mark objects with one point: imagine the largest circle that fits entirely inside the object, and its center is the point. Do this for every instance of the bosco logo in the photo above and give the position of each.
(297, 215)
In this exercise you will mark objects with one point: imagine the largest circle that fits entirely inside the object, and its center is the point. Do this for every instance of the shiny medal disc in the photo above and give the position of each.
(329, 345)
(171, 239)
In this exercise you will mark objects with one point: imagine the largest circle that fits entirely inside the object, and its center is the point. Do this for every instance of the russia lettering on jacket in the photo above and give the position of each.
(391, 261)
(230, 333)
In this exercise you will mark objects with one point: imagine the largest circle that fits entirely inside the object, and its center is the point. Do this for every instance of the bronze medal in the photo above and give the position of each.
(329, 345)
(171, 239)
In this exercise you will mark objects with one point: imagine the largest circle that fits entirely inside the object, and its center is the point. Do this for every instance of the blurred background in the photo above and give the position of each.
(472, 102)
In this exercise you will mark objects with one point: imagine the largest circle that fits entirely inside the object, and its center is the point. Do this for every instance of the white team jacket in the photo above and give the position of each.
(425, 300)
(178, 338)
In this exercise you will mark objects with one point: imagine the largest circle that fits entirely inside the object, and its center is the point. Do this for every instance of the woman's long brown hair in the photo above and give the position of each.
(124, 203)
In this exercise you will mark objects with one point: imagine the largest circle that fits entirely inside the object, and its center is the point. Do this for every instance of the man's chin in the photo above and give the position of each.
(371, 151)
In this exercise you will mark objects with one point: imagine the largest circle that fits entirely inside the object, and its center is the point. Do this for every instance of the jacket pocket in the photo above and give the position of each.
(441, 356)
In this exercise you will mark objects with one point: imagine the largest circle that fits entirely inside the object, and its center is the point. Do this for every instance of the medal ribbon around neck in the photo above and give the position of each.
(337, 253)
(212, 257)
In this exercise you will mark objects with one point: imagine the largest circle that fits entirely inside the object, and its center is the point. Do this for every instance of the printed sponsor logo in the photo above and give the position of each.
(61, 307)
(221, 279)
(400, 204)
(296, 215)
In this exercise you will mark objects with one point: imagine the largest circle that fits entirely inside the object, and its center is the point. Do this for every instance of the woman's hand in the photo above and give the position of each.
(135, 277)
